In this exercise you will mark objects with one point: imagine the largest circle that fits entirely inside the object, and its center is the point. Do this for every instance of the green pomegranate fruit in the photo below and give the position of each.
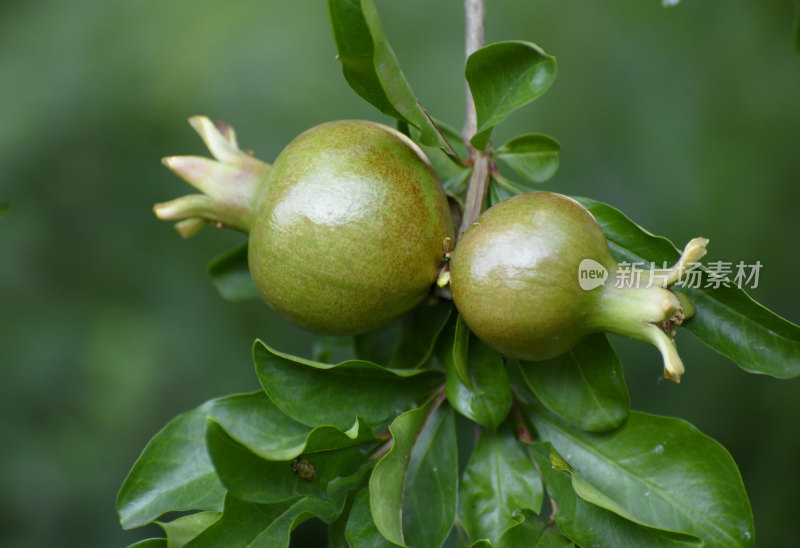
(346, 227)
(534, 275)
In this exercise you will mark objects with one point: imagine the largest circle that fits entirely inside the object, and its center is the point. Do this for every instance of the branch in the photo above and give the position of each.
(475, 12)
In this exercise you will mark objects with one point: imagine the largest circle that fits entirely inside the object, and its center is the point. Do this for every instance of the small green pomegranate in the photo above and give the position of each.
(534, 275)
(346, 228)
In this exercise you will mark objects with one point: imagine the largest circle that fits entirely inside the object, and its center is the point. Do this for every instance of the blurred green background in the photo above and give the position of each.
(688, 119)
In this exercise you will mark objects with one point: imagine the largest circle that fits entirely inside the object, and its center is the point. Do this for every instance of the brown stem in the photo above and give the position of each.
(475, 15)
(476, 191)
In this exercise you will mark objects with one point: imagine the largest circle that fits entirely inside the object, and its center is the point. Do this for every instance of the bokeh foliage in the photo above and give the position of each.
(685, 118)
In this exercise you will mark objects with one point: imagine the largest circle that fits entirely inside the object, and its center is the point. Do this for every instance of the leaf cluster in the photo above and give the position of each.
(452, 445)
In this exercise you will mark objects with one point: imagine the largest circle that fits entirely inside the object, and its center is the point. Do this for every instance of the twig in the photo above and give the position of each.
(475, 14)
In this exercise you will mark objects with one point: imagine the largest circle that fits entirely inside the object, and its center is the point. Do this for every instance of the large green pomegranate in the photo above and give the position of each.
(534, 275)
(346, 227)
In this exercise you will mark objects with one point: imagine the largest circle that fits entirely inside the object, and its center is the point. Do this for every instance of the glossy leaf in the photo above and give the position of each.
(503, 77)
(732, 323)
(460, 352)
(360, 530)
(534, 156)
(371, 68)
(257, 423)
(500, 479)
(532, 532)
(174, 473)
(589, 525)
(387, 482)
(413, 487)
(585, 386)
(314, 393)
(659, 472)
(241, 522)
(277, 534)
(488, 399)
(251, 525)
(431, 482)
(251, 478)
(727, 319)
(408, 342)
(231, 275)
(183, 529)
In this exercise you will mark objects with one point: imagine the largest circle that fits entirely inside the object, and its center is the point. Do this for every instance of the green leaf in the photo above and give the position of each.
(241, 522)
(183, 529)
(448, 163)
(413, 487)
(360, 529)
(732, 323)
(532, 532)
(497, 193)
(456, 152)
(431, 482)
(336, 529)
(315, 393)
(727, 319)
(585, 386)
(487, 398)
(253, 479)
(371, 68)
(3, 209)
(408, 342)
(278, 533)
(503, 77)
(534, 156)
(174, 473)
(590, 525)
(500, 479)
(460, 352)
(150, 543)
(252, 525)
(257, 423)
(231, 275)
(511, 188)
(457, 184)
(387, 482)
(659, 472)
